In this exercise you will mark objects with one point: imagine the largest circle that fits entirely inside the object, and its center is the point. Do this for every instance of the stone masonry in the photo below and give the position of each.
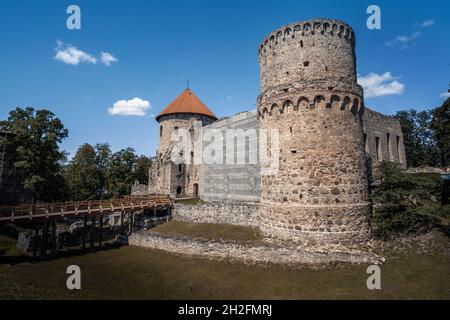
(243, 214)
(309, 92)
(329, 145)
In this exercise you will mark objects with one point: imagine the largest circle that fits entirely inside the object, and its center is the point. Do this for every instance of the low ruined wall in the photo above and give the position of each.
(247, 254)
(428, 170)
(244, 214)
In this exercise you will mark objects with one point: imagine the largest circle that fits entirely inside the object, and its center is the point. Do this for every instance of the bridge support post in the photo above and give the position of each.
(44, 240)
(101, 232)
(131, 229)
(92, 234)
(36, 241)
(122, 217)
(84, 232)
(53, 240)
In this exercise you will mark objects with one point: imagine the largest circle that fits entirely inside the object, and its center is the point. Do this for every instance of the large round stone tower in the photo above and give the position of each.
(309, 92)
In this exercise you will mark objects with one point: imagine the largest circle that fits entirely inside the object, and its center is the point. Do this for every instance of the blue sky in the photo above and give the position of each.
(158, 45)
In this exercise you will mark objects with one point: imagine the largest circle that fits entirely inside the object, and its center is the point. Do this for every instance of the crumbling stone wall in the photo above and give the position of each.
(310, 94)
(167, 177)
(247, 253)
(383, 139)
(138, 189)
(244, 214)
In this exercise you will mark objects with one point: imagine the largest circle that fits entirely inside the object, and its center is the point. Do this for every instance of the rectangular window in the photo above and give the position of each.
(366, 146)
(388, 138)
(378, 148)
(398, 150)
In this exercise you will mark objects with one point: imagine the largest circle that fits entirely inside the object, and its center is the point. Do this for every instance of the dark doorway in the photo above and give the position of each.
(196, 190)
(179, 191)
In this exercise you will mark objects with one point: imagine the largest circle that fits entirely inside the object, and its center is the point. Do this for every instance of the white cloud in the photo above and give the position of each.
(107, 58)
(133, 107)
(403, 41)
(72, 55)
(445, 95)
(427, 23)
(376, 85)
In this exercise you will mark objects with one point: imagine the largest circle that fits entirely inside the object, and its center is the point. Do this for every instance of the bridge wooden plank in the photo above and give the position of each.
(47, 211)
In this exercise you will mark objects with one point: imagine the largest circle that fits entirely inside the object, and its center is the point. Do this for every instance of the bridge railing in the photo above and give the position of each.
(64, 209)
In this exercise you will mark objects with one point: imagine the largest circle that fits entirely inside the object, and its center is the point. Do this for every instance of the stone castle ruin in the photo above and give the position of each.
(329, 144)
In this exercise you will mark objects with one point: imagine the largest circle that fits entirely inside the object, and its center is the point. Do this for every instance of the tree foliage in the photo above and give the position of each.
(86, 172)
(419, 138)
(441, 126)
(96, 173)
(405, 203)
(121, 173)
(35, 139)
(142, 167)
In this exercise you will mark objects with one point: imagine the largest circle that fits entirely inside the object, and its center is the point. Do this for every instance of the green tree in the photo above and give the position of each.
(441, 126)
(419, 138)
(402, 202)
(83, 175)
(120, 173)
(35, 141)
(103, 157)
(141, 169)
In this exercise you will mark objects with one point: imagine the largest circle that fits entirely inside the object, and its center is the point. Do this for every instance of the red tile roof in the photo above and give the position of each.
(187, 102)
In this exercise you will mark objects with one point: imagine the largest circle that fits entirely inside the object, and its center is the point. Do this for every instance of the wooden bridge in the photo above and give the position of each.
(46, 215)
(82, 208)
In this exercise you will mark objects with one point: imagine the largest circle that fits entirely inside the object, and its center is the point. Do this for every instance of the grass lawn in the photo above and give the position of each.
(190, 202)
(139, 273)
(210, 231)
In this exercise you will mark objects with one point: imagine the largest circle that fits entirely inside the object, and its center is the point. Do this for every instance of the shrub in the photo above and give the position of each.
(405, 203)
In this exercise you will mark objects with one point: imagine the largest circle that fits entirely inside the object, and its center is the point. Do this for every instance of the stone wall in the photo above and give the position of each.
(167, 177)
(238, 180)
(138, 189)
(245, 214)
(259, 254)
(310, 94)
(383, 139)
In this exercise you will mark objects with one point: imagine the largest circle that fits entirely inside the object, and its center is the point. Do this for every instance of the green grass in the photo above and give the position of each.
(210, 231)
(137, 273)
(191, 202)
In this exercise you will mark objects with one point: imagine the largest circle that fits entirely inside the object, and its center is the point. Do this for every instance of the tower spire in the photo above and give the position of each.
(187, 84)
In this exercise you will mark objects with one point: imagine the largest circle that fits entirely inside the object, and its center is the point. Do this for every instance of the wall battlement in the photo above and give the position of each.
(304, 53)
(325, 27)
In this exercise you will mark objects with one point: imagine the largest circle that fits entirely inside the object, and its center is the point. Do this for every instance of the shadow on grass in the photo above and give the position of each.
(9, 231)
(445, 230)
(66, 253)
